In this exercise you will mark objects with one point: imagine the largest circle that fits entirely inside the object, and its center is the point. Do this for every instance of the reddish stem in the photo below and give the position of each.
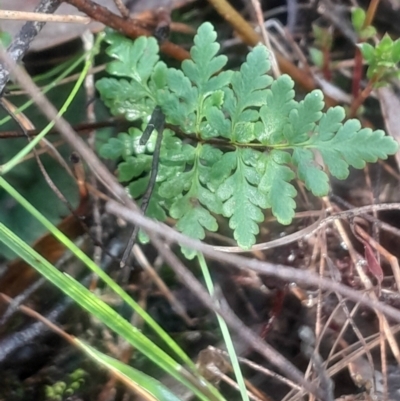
(127, 26)
(360, 99)
(357, 73)
(276, 310)
(326, 64)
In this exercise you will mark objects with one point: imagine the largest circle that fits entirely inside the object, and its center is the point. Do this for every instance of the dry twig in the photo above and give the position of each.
(22, 41)
(43, 17)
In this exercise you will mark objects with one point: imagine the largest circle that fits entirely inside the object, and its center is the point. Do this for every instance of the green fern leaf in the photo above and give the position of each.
(205, 63)
(127, 98)
(273, 136)
(279, 101)
(352, 146)
(138, 60)
(303, 119)
(135, 60)
(239, 193)
(275, 184)
(248, 91)
(310, 173)
(193, 201)
(117, 147)
(330, 122)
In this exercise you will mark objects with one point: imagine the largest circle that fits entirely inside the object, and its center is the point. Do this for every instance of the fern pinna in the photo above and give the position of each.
(239, 141)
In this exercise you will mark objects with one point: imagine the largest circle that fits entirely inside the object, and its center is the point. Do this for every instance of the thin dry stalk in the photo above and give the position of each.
(153, 275)
(42, 17)
(265, 371)
(285, 273)
(122, 8)
(367, 285)
(393, 261)
(260, 20)
(384, 369)
(90, 91)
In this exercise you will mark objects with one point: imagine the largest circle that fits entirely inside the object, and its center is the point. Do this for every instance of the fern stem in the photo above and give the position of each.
(224, 330)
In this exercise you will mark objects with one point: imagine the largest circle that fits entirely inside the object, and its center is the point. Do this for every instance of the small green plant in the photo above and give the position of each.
(235, 140)
(382, 58)
(363, 29)
(320, 52)
(61, 390)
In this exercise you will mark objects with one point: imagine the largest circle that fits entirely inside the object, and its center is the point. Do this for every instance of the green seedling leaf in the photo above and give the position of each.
(317, 57)
(323, 37)
(367, 33)
(358, 19)
(367, 51)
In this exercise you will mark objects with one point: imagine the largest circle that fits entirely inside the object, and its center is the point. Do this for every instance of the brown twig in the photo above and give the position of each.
(127, 26)
(84, 128)
(370, 15)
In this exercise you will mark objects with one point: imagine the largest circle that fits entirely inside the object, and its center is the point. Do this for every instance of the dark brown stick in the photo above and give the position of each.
(22, 41)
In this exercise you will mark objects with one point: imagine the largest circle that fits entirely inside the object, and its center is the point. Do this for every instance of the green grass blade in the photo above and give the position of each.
(28, 148)
(145, 382)
(225, 331)
(92, 266)
(105, 314)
